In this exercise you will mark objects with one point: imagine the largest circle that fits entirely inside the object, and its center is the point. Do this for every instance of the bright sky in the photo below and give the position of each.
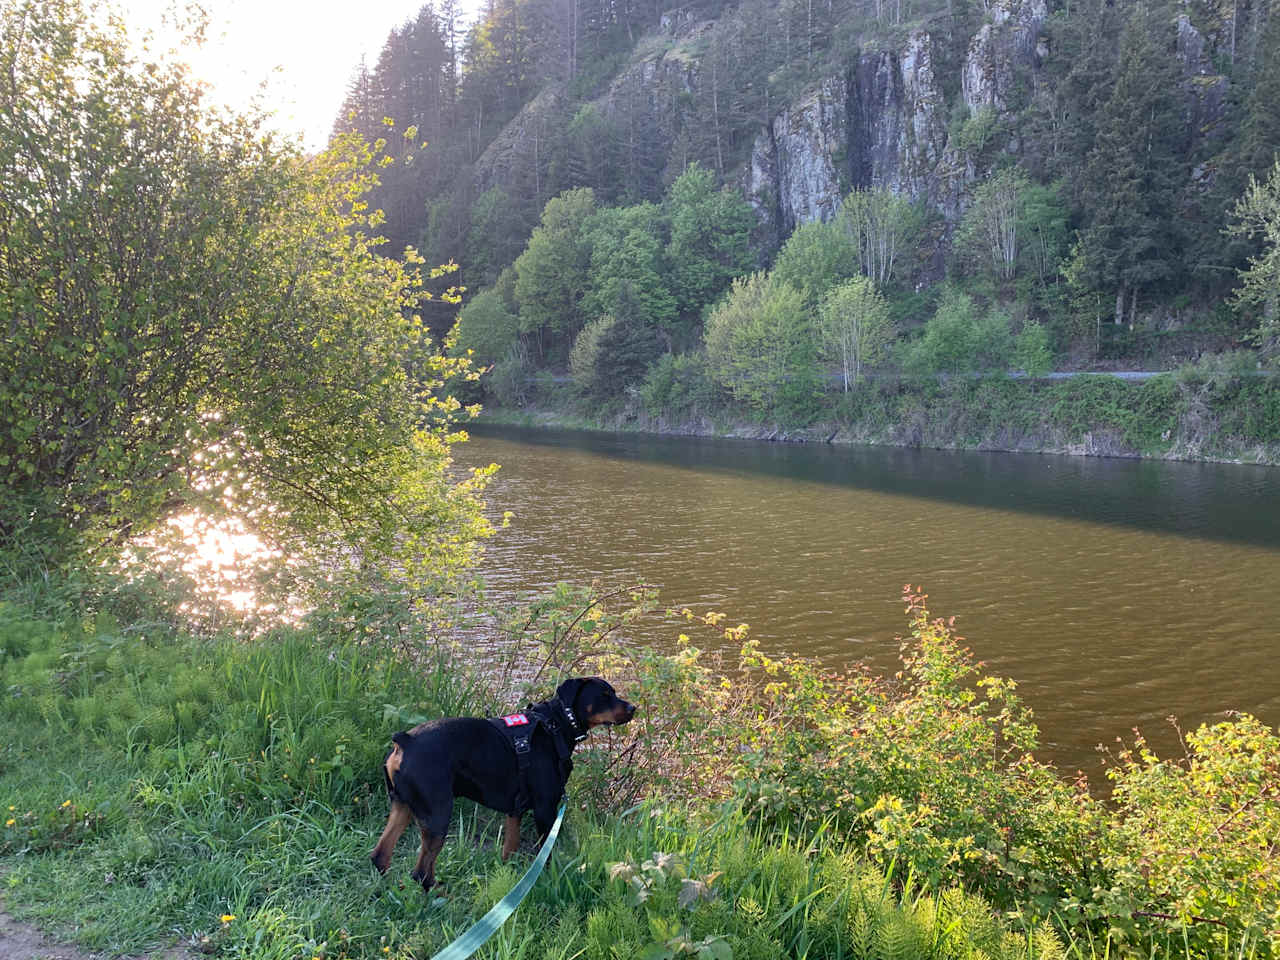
(306, 52)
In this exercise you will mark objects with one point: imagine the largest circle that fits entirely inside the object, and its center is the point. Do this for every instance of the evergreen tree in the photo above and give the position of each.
(1136, 167)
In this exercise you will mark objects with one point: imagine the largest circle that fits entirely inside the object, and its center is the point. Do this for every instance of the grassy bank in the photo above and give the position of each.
(1191, 415)
(223, 793)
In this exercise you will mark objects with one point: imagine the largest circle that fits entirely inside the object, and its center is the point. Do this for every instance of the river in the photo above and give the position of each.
(1117, 593)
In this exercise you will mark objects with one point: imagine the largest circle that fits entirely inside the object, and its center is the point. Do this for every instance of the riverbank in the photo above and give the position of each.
(177, 795)
(1183, 416)
(222, 793)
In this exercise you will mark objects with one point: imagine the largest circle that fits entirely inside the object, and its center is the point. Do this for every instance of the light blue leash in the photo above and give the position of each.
(488, 925)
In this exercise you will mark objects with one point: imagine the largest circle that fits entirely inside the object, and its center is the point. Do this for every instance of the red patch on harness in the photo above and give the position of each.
(515, 720)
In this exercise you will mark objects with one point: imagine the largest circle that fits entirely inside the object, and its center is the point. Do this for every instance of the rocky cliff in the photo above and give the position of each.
(887, 117)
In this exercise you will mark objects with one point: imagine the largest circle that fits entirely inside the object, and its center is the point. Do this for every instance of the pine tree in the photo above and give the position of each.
(1136, 167)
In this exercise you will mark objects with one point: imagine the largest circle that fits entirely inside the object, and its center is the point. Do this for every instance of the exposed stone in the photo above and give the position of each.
(514, 151)
(807, 144)
(1010, 41)
(1204, 90)
(881, 124)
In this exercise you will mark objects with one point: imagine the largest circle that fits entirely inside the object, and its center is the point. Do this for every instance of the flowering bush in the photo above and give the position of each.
(1197, 841)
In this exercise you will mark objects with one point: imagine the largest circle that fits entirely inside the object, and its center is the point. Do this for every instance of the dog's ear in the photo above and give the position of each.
(568, 691)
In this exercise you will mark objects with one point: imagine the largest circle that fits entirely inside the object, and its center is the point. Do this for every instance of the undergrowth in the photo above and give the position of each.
(224, 793)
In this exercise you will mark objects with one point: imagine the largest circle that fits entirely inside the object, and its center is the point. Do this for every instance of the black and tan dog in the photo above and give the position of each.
(511, 764)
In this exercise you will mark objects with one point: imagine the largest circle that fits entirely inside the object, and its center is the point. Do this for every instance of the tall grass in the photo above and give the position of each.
(225, 794)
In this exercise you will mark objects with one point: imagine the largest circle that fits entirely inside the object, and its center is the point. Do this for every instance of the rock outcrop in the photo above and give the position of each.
(883, 122)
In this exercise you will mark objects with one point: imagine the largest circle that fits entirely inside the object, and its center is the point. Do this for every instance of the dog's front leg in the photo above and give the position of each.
(397, 820)
(510, 836)
(544, 817)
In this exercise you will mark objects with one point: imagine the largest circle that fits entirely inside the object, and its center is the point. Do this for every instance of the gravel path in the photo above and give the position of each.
(24, 941)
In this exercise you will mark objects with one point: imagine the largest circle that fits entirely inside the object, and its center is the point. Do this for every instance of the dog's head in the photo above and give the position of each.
(594, 702)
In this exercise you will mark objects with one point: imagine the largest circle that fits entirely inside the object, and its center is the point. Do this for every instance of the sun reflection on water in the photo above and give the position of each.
(220, 555)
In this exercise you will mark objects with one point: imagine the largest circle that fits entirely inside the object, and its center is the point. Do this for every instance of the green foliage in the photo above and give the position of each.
(1136, 165)
(1012, 227)
(1031, 351)
(509, 379)
(494, 239)
(678, 386)
(959, 340)
(855, 327)
(760, 346)
(972, 133)
(611, 354)
(816, 257)
(551, 274)
(886, 230)
(1258, 218)
(628, 267)
(195, 315)
(220, 785)
(1194, 837)
(487, 328)
(709, 232)
(936, 773)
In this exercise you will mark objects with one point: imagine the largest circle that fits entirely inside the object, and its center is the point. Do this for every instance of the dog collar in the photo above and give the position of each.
(575, 728)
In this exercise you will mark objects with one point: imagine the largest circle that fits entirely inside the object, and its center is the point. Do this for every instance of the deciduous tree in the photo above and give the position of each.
(551, 274)
(1258, 218)
(816, 257)
(194, 314)
(855, 327)
(759, 341)
(885, 228)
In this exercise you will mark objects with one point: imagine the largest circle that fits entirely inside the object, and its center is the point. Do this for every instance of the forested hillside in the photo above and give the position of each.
(923, 186)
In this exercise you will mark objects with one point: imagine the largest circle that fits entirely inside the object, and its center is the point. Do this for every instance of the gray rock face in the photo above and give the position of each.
(1204, 90)
(1009, 40)
(515, 150)
(883, 123)
(805, 153)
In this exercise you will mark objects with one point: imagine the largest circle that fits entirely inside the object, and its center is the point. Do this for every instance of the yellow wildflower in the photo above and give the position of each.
(227, 918)
(10, 822)
(65, 804)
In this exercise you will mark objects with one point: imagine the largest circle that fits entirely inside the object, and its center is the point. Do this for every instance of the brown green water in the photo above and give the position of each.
(1116, 592)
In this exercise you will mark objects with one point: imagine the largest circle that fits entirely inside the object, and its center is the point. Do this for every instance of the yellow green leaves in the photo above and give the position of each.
(190, 306)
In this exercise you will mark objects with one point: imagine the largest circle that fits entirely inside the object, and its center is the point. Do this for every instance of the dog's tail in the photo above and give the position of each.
(392, 765)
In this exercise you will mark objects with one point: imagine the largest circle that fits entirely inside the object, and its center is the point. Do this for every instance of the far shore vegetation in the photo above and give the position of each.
(203, 334)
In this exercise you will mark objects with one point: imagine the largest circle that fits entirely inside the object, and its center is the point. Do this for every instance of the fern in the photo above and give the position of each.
(898, 938)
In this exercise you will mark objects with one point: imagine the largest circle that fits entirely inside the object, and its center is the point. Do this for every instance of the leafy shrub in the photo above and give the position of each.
(611, 354)
(678, 386)
(1194, 839)
(959, 339)
(1031, 352)
(508, 381)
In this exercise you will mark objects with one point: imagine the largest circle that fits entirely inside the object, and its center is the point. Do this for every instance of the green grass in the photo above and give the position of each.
(160, 782)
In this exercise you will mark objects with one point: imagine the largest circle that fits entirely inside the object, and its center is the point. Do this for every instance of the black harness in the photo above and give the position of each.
(559, 722)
